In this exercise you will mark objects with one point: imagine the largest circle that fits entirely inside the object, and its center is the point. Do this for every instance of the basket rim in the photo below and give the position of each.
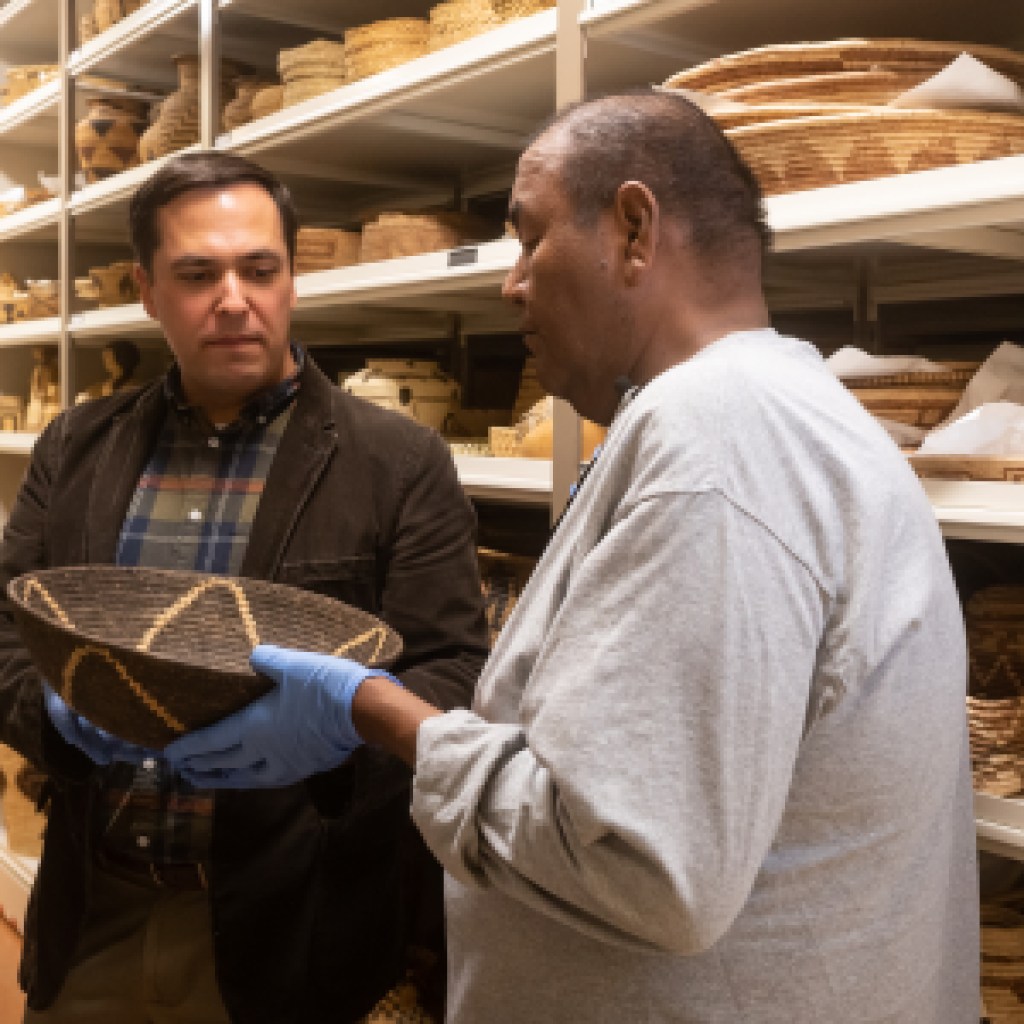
(80, 635)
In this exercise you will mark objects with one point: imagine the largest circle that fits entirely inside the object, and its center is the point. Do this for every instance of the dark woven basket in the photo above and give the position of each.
(149, 654)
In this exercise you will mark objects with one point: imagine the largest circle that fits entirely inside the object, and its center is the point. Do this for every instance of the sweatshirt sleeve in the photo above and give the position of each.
(642, 785)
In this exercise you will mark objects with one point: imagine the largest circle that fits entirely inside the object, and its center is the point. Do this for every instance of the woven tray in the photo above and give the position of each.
(267, 101)
(393, 235)
(1005, 468)
(149, 654)
(791, 60)
(325, 248)
(320, 55)
(815, 152)
(865, 88)
(919, 399)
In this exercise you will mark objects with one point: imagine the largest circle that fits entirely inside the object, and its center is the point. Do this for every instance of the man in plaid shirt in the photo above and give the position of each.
(297, 903)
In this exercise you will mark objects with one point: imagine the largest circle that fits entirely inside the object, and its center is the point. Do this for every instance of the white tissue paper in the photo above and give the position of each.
(966, 84)
(850, 362)
(999, 379)
(995, 428)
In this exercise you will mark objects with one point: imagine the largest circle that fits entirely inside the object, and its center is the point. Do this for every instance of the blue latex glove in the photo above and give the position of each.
(301, 727)
(97, 744)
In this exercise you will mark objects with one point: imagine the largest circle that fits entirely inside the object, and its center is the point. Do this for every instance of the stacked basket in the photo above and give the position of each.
(384, 44)
(325, 248)
(392, 235)
(815, 113)
(311, 70)
(919, 399)
(995, 703)
(1002, 959)
(502, 579)
(455, 20)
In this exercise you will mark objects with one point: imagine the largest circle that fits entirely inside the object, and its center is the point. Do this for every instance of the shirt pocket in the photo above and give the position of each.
(352, 579)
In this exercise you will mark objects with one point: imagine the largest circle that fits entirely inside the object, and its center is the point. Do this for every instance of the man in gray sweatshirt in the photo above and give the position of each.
(716, 769)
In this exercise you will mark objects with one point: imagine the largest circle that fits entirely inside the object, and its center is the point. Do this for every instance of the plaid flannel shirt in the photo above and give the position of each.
(193, 508)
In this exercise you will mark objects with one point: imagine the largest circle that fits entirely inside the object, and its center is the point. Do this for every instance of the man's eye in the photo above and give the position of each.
(263, 271)
(195, 276)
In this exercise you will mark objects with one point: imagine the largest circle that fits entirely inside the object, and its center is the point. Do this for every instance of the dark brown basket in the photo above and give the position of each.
(149, 654)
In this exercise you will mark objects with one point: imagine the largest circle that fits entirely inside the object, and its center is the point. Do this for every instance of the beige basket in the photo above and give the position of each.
(508, 10)
(393, 235)
(267, 101)
(1006, 469)
(918, 399)
(321, 57)
(380, 45)
(455, 20)
(325, 248)
(815, 152)
(862, 88)
(790, 60)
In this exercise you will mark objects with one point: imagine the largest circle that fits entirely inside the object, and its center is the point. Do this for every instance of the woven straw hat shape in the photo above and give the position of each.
(149, 654)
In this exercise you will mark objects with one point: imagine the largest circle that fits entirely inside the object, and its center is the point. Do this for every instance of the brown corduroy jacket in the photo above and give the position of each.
(314, 888)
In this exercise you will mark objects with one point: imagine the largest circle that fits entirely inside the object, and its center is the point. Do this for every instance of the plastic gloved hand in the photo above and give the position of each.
(303, 726)
(96, 743)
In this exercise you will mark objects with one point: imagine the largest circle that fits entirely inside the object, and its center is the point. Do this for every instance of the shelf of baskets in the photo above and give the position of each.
(490, 89)
(129, 32)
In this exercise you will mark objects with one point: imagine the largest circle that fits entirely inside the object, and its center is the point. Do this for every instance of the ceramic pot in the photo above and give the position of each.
(107, 138)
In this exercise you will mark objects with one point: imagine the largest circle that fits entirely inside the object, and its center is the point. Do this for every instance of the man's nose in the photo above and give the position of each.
(232, 298)
(512, 286)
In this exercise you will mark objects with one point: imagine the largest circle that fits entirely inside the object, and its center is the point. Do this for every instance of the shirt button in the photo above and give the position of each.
(213, 442)
(261, 419)
(195, 515)
(149, 764)
(142, 841)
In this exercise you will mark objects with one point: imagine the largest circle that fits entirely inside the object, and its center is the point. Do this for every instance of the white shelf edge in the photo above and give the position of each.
(522, 481)
(615, 16)
(999, 824)
(409, 275)
(978, 510)
(516, 40)
(130, 316)
(46, 330)
(16, 876)
(895, 208)
(32, 104)
(117, 187)
(128, 30)
(29, 219)
(17, 442)
(10, 10)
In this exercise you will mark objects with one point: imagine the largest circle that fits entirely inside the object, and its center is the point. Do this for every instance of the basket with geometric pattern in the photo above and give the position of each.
(149, 654)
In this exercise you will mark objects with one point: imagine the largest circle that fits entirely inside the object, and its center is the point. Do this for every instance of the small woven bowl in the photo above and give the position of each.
(149, 654)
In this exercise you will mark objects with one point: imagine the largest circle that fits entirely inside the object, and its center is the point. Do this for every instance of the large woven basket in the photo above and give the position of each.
(919, 399)
(149, 654)
(1002, 468)
(791, 60)
(867, 88)
(995, 705)
(815, 152)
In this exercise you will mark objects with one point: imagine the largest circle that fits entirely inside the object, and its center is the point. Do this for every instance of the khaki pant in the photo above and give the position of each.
(145, 956)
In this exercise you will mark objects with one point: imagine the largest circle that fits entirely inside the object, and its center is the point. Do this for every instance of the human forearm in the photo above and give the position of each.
(389, 717)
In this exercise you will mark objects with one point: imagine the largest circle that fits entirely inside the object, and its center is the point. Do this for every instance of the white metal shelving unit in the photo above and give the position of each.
(452, 123)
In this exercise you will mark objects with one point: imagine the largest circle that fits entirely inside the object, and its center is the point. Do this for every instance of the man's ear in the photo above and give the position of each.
(145, 290)
(636, 219)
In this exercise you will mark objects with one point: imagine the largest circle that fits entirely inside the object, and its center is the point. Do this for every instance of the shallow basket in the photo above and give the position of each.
(920, 399)
(149, 654)
(795, 154)
(790, 60)
(1001, 468)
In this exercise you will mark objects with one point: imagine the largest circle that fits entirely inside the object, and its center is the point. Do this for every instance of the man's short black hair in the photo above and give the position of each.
(189, 172)
(662, 139)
